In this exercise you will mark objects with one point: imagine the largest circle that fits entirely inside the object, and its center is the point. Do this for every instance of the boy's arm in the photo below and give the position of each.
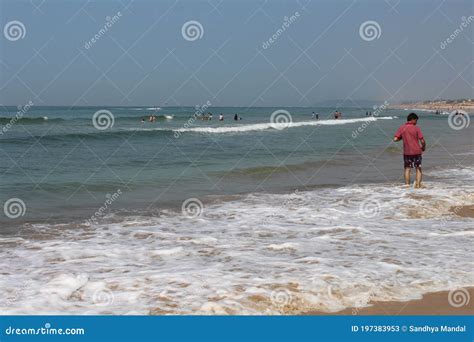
(423, 144)
(421, 138)
(398, 134)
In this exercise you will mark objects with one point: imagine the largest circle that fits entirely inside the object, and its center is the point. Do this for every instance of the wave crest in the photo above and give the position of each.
(270, 125)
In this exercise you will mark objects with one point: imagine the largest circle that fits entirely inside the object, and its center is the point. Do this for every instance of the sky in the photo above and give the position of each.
(147, 57)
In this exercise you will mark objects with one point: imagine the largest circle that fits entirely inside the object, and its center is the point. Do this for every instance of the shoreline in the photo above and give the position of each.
(431, 304)
(463, 210)
(468, 107)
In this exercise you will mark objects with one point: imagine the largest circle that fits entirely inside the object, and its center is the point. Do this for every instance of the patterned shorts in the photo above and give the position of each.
(412, 161)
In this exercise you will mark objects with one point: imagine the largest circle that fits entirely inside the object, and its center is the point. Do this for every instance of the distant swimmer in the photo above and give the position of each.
(236, 117)
(210, 116)
(221, 117)
(413, 146)
(313, 116)
(143, 120)
(317, 116)
(337, 115)
(366, 113)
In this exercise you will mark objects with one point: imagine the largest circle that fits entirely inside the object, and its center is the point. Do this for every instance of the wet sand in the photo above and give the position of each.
(464, 211)
(436, 303)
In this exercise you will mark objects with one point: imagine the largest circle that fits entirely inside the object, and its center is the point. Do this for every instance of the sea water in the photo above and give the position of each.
(287, 218)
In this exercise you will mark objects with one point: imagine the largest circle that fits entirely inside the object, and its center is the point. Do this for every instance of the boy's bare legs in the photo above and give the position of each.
(407, 175)
(418, 177)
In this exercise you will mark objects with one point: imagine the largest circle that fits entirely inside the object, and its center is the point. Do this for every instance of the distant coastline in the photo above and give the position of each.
(438, 105)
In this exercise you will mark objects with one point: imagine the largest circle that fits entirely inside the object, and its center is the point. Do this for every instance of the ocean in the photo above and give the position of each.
(107, 214)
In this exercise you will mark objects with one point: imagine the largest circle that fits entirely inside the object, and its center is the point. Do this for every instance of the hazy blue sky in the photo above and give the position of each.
(143, 59)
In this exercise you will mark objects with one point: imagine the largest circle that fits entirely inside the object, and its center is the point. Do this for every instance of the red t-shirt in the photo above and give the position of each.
(411, 135)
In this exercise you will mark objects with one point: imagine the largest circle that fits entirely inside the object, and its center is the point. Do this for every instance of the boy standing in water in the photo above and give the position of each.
(412, 150)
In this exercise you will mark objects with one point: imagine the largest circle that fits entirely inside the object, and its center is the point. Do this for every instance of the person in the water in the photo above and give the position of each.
(413, 146)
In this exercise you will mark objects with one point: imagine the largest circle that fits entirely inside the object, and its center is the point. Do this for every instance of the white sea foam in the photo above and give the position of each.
(269, 126)
(326, 249)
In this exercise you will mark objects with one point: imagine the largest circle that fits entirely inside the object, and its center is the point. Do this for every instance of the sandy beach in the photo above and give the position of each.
(436, 303)
(448, 106)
